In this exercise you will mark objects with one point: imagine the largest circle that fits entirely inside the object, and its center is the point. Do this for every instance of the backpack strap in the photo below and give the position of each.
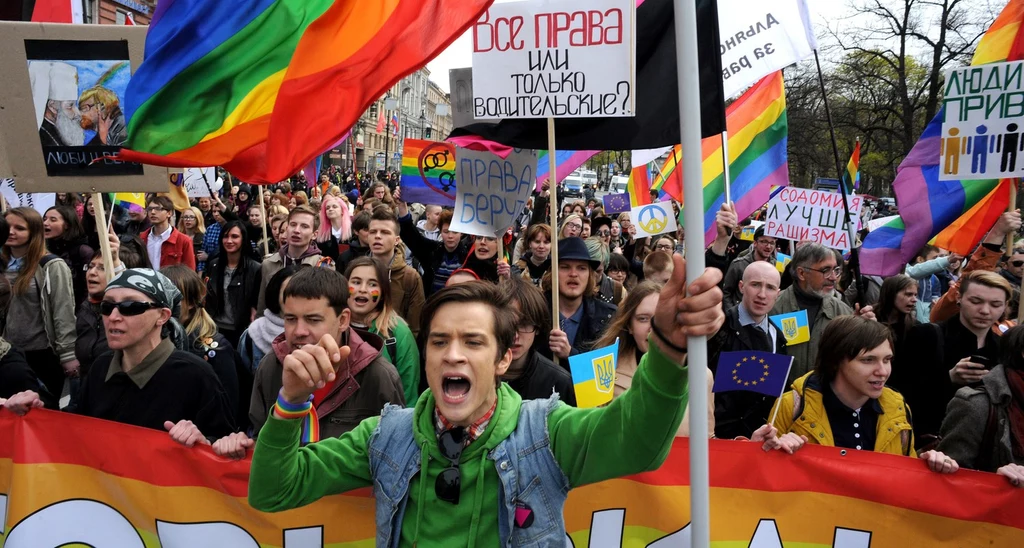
(988, 439)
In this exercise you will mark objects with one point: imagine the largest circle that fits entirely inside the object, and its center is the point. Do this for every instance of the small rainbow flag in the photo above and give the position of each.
(669, 179)
(1004, 40)
(639, 186)
(261, 87)
(428, 172)
(758, 160)
(852, 176)
(132, 201)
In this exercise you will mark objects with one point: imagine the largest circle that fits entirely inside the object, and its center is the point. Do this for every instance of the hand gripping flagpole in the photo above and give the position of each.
(697, 355)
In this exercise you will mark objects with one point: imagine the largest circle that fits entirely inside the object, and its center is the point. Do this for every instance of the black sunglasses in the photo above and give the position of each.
(1017, 264)
(449, 482)
(127, 308)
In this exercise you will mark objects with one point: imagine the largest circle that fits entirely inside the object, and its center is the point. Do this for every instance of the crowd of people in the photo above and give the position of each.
(330, 301)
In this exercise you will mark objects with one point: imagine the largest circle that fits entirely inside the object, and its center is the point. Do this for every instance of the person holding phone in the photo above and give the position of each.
(939, 358)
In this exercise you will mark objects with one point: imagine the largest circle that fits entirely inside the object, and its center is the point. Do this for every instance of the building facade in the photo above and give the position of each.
(114, 12)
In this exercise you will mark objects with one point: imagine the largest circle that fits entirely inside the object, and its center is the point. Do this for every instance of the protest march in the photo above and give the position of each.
(311, 273)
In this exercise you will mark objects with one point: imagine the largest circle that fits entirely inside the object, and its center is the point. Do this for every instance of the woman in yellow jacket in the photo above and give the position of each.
(844, 402)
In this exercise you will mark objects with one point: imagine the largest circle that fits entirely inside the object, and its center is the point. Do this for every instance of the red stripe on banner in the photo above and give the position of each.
(52, 11)
(828, 470)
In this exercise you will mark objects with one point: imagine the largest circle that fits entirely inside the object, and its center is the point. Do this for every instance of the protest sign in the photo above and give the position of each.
(491, 191)
(983, 127)
(460, 82)
(61, 484)
(802, 214)
(199, 181)
(653, 219)
(62, 113)
(40, 201)
(555, 59)
(759, 38)
(428, 172)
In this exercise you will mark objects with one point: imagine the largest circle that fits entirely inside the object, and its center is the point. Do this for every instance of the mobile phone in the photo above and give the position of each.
(982, 360)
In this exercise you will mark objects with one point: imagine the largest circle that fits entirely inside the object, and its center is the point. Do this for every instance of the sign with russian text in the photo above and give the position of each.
(759, 38)
(199, 181)
(491, 192)
(801, 214)
(983, 128)
(555, 59)
(68, 480)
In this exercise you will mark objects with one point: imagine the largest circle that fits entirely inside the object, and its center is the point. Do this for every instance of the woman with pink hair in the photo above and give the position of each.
(335, 228)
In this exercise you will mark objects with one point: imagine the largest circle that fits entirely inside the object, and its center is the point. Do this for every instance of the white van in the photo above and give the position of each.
(619, 184)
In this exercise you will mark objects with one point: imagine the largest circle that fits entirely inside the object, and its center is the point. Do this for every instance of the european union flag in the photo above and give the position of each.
(616, 203)
(794, 326)
(593, 375)
(761, 372)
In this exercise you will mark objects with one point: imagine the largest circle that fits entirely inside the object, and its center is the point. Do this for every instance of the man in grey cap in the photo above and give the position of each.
(582, 317)
(148, 380)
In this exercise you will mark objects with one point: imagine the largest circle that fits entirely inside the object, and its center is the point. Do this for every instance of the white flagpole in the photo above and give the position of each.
(725, 166)
(687, 67)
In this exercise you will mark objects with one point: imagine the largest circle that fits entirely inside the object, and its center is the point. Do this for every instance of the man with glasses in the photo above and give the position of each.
(149, 380)
(165, 244)
(762, 250)
(474, 464)
(815, 274)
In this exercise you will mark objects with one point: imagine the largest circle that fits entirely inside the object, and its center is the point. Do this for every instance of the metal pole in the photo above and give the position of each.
(687, 65)
(553, 210)
(725, 166)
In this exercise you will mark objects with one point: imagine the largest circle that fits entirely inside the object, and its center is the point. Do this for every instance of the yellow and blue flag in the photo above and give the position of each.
(794, 326)
(761, 372)
(593, 375)
(781, 260)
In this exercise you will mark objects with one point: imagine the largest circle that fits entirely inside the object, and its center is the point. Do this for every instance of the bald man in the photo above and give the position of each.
(747, 328)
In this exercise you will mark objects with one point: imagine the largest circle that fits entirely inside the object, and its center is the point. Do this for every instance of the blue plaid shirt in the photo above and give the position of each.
(211, 242)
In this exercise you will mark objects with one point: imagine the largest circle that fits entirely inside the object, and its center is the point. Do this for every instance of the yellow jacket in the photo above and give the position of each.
(802, 411)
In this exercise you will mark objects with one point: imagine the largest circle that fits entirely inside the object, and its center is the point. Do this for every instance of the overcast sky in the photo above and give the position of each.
(460, 53)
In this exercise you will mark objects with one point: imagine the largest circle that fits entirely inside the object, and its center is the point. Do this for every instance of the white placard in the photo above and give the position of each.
(491, 192)
(195, 185)
(801, 214)
(653, 219)
(40, 201)
(555, 59)
(759, 38)
(983, 129)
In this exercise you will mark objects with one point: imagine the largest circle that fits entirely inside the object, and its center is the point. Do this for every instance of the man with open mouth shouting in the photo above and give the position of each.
(473, 464)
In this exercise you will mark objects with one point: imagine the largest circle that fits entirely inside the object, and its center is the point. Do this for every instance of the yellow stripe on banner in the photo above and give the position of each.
(995, 45)
(739, 141)
(258, 103)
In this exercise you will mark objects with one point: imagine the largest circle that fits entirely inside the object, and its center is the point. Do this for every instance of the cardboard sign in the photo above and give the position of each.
(196, 186)
(653, 219)
(800, 214)
(460, 82)
(555, 59)
(491, 192)
(983, 128)
(62, 112)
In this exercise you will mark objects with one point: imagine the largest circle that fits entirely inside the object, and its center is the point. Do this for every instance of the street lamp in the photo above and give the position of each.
(423, 123)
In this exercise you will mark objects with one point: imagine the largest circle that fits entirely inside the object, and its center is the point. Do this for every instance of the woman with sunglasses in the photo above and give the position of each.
(233, 285)
(42, 302)
(206, 343)
(148, 380)
(369, 301)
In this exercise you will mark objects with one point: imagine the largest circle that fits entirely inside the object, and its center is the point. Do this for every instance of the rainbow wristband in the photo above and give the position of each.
(290, 411)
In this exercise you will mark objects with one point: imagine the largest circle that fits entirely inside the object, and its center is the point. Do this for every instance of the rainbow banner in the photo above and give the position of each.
(566, 161)
(758, 159)
(1004, 40)
(71, 480)
(132, 201)
(851, 178)
(428, 172)
(261, 87)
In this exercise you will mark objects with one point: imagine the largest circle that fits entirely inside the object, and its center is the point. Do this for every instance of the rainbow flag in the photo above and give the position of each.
(639, 186)
(669, 180)
(132, 201)
(61, 485)
(428, 172)
(566, 161)
(261, 87)
(852, 176)
(758, 160)
(957, 214)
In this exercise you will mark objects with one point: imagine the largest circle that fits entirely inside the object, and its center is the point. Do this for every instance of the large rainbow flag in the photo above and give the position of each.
(263, 86)
(566, 161)
(758, 160)
(955, 214)
(68, 480)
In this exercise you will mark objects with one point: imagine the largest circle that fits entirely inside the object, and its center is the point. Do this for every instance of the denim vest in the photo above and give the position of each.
(526, 466)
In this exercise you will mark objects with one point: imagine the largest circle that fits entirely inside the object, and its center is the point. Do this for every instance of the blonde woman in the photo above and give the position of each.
(190, 223)
(572, 227)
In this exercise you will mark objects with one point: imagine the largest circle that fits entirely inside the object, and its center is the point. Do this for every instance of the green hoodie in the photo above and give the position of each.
(406, 360)
(633, 434)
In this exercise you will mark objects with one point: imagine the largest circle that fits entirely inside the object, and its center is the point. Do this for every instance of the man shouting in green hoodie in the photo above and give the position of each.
(473, 464)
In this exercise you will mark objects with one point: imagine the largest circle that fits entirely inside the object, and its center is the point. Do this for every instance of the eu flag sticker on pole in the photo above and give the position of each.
(593, 375)
(794, 326)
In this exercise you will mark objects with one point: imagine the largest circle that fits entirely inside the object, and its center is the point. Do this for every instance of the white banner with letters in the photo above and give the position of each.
(800, 214)
(491, 192)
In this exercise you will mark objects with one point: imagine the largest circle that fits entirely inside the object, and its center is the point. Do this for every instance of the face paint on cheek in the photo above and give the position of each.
(351, 289)
(375, 295)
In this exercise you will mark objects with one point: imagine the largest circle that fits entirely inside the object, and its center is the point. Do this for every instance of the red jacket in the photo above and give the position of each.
(176, 249)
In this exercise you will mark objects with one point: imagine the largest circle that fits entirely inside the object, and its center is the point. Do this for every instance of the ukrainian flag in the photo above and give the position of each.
(781, 260)
(794, 326)
(593, 375)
